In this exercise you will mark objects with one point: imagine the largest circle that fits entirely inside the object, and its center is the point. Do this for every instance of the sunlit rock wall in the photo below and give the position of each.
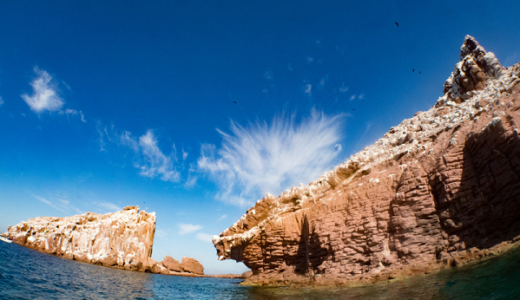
(439, 189)
(123, 239)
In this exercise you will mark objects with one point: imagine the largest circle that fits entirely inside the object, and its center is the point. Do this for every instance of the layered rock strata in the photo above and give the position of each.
(439, 189)
(123, 239)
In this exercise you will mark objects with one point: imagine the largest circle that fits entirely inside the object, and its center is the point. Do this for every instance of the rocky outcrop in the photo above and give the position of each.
(123, 239)
(438, 190)
(192, 265)
(172, 264)
(188, 267)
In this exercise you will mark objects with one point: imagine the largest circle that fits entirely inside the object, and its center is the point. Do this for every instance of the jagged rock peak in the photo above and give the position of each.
(471, 74)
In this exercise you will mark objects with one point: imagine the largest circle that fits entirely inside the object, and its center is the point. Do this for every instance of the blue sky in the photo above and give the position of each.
(194, 110)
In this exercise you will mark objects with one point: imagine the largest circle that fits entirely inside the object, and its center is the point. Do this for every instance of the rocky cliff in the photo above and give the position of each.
(123, 239)
(439, 189)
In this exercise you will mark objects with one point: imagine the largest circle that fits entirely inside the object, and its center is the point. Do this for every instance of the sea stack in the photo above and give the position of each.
(438, 190)
(123, 239)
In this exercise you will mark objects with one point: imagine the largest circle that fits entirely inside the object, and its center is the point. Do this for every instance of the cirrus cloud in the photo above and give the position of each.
(262, 158)
(148, 157)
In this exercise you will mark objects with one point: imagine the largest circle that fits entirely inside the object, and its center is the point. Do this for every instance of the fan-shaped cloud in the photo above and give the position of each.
(265, 158)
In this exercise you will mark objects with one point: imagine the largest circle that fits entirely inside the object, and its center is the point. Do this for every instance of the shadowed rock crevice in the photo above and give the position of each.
(310, 251)
(485, 210)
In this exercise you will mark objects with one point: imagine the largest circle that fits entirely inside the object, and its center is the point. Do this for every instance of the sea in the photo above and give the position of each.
(28, 274)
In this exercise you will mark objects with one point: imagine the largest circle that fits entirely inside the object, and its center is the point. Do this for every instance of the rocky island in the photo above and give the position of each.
(122, 240)
(438, 190)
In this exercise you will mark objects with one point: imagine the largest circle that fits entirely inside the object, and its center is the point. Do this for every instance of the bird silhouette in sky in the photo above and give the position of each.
(397, 24)
(413, 70)
(419, 72)
(353, 109)
(235, 102)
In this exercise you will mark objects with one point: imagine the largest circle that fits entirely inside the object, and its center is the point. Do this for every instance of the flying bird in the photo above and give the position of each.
(413, 70)
(353, 109)
(419, 72)
(235, 102)
(396, 24)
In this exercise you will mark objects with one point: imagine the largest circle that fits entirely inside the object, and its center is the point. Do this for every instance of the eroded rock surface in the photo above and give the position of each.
(172, 264)
(439, 189)
(192, 265)
(123, 239)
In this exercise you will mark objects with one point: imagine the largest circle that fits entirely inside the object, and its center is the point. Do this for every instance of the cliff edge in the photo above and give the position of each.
(123, 239)
(439, 189)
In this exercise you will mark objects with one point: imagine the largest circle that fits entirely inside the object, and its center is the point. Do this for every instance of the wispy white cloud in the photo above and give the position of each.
(73, 112)
(1, 101)
(148, 157)
(192, 177)
(365, 138)
(205, 237)
(109, 206)
(308, 89)
(59, 203)
(343, 88)
(222, 217)
(188, 228)
(323, 81)
(155, 162)
(41, 199)
(45, 96)
(359, 96)
(160, 233)
(64, 201)
(45, 93)
(265, 158)
(310, 59)
(268, 75)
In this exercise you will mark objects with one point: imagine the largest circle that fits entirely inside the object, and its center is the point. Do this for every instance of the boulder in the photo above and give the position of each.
(192, 265)
(172, 264)
(149, 264)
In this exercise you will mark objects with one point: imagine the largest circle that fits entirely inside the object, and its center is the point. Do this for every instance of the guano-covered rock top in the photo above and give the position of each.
(123, 239)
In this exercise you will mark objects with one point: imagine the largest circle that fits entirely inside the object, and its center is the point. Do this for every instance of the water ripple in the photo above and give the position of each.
(27, 274)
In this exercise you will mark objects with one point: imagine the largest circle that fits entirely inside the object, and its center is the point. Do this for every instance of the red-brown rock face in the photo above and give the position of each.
(123, 239)
(172, 264)
(439, 189)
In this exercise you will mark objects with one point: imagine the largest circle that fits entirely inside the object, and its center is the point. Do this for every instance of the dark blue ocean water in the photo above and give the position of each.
(27, 274)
